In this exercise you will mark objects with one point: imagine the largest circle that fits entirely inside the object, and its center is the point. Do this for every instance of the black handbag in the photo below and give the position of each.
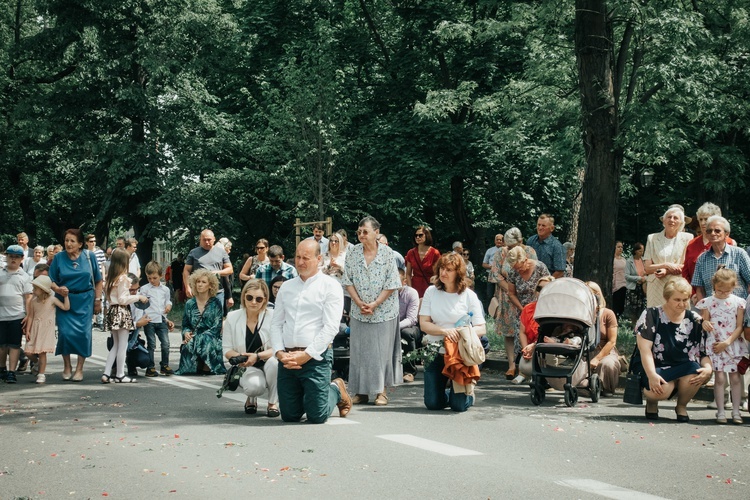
(633, 390)
(231, 379)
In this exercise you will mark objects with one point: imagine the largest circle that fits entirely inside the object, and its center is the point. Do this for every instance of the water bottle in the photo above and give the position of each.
(465, 320)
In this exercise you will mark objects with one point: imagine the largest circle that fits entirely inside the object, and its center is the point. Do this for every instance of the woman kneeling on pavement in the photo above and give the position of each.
(671, 343)
(247, 332)
(445, 304)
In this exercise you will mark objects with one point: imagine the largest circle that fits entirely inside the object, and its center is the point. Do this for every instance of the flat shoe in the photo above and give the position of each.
(721, 420)
(652, 415)
(381, 399)
(66, 376)
(360, 399)
(683, 419)
(78, 377)
(737, 420)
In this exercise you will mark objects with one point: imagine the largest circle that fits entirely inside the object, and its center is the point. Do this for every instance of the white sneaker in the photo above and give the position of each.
(41, 378)
(518, 380)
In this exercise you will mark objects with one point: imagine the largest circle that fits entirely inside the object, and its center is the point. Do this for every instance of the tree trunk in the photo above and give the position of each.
(598, 214)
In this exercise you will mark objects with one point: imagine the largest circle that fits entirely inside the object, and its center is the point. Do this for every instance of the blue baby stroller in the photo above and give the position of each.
(566, 309)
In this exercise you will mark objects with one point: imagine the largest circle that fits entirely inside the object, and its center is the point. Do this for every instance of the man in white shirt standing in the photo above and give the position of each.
(306, 318)
(131, 245)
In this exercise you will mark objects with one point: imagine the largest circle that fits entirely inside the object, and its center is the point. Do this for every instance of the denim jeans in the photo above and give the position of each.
(436, 395)
(153, 330)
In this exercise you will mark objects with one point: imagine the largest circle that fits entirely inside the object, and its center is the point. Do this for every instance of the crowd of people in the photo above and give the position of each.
(687, 295)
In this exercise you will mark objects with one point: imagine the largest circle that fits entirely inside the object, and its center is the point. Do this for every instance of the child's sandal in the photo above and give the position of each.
(106, 379)
(125, 380)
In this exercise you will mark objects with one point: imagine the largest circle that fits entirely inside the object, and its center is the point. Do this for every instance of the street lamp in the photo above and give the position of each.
(647, 177)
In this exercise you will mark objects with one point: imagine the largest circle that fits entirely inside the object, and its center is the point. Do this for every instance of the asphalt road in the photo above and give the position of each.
(172, 438)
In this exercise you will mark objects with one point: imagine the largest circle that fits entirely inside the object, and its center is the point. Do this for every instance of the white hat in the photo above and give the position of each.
(43, 282)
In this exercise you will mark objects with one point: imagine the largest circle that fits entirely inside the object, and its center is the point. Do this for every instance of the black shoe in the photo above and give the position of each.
(683, 419)
(22, 365)
(10, 378)
(132, 373)
(3, 373)
(151, 372)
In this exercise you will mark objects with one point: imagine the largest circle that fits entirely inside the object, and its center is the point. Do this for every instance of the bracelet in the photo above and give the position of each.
(97, 300)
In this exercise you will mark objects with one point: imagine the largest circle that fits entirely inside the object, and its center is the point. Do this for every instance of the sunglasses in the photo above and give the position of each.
(715, 231)
(259, 248)
(465, 254)
(333, 242)
(250, 298)
(362, 232)
(419, 235)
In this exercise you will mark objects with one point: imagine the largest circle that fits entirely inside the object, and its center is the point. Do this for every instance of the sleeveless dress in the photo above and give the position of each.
(42, 334)
(724, 318)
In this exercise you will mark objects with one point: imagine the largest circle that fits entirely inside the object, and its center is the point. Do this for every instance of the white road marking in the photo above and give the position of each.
(340, 421)
(606, 490)
(426, 444)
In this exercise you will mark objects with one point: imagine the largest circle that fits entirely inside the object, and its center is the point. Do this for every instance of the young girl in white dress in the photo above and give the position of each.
(40, 327)
(723, 313)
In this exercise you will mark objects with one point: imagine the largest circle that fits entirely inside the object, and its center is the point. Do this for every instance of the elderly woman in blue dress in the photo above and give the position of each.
(75, 274)
(201, 350)
(371, 277)
(247, 332)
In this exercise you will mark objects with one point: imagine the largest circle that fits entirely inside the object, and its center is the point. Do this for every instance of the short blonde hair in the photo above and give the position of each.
(676, 285)
(213, 281)
(516, 255)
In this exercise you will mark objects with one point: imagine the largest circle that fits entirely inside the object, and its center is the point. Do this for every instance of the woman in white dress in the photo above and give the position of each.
(665, 254)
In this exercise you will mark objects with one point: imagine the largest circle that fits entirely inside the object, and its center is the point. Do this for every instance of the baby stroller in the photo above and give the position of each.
(566, 309)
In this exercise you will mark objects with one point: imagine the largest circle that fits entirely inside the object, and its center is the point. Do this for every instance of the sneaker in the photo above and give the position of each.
(518, 380)
(10, 378)
(41, 378)
(166, 370)
(151, 372)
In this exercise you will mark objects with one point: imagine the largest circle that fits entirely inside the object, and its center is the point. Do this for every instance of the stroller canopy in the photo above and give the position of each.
(566, 299)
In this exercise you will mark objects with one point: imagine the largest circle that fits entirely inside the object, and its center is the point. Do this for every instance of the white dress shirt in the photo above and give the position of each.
(307, 314)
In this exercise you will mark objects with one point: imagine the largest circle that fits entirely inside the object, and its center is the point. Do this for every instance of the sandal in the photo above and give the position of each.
(381, 399)
(106, 379)
(510, 374)
(251, 408)
(125, 380)
(272, 411)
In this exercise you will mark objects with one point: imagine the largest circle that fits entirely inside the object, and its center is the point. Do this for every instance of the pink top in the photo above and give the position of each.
(618, 276)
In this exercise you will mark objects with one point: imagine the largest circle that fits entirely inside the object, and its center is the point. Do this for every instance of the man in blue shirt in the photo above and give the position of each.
(275, 267)
(548, 248)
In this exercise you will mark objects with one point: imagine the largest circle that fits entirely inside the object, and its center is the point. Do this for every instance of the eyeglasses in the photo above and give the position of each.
(715, 231)
(250, 298)
(362, 232)
(465, 254)
(419, 235)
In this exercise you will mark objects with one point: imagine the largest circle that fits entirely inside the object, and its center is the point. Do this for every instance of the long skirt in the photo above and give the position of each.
(375, 362)
(74, 325)
(205, 348)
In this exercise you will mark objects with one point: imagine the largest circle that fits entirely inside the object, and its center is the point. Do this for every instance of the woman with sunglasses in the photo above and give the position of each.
(247, 333)
(371, 277)
(421, 260)
(253, 263)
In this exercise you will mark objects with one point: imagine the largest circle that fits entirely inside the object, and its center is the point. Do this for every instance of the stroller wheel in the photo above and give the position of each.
(571, 396)
(537, 395)
(595, 388)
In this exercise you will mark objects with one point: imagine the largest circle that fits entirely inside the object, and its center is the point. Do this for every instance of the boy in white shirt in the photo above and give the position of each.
(15, 294)
(160, 304)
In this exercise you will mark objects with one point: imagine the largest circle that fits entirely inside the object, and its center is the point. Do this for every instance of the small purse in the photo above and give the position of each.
(633, 390)
(743, 365)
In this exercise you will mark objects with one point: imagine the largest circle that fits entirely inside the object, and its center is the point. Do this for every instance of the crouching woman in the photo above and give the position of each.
(444, 305)
(247, 332)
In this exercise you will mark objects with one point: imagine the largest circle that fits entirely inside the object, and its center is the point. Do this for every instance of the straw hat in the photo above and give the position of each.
(43, 282)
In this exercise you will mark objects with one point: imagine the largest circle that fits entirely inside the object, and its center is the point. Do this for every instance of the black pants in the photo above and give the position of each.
(618, 301)
(413, 338)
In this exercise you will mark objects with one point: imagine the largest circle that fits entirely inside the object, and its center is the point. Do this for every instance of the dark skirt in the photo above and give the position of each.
(672, 373)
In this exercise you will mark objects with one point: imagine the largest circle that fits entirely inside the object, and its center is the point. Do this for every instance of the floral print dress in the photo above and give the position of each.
(724, 319)
(674, 343)
(506, 318)
(206, 344)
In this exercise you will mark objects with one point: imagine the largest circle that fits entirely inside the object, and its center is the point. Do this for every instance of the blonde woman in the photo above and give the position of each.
(605, 360)
(201, 350)
(247, 332)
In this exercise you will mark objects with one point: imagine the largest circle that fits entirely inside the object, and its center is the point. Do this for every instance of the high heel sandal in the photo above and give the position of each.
(251, 408)
(272, 412)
